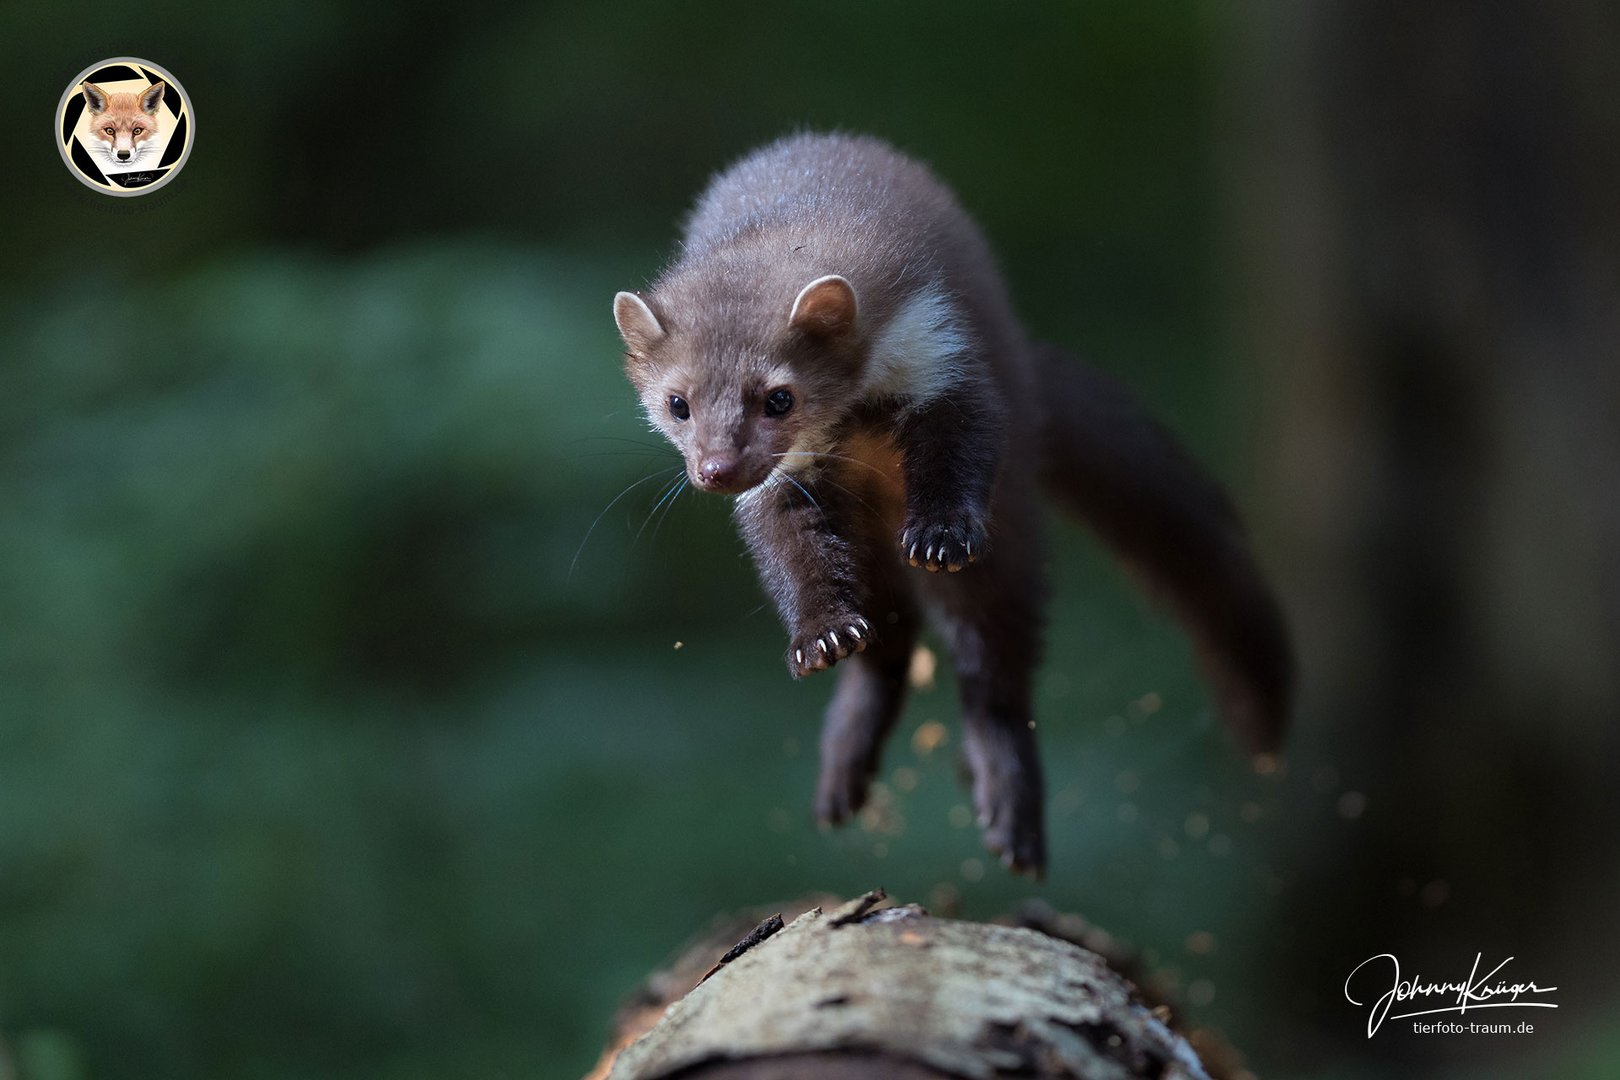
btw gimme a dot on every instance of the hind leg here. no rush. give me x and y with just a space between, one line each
992 618
863 711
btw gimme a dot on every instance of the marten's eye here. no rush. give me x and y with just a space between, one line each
136 130
779 402
678 408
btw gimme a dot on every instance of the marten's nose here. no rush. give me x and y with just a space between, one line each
719 472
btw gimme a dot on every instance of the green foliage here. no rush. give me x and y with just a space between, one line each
312 728
319 753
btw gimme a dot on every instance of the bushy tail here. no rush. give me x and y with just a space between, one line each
1127 477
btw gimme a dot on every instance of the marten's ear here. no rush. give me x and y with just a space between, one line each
151 96
638 325
95 97
825 307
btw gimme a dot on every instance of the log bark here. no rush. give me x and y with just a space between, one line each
863 990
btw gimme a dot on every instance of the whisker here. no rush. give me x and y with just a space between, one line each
807 494
620 453
650 444
666 493
645 479
628 447
851 494
685 482
830 480
835 457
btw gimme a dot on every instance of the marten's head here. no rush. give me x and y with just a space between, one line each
741 385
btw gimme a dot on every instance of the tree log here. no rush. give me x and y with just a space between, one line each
861 990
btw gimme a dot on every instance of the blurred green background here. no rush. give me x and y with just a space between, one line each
335 740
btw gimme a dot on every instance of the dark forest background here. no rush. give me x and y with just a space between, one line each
331 746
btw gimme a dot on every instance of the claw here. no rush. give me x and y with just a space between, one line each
854 631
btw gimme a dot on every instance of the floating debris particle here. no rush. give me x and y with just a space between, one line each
929 736
923 666
1268 764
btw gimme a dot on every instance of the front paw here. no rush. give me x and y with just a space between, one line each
820 649
947 544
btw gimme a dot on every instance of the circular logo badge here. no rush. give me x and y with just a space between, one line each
125 126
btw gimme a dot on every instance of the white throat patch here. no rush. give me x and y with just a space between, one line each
920 353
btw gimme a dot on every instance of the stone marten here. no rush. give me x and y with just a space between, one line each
834 346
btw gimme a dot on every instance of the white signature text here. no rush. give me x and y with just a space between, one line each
1475 992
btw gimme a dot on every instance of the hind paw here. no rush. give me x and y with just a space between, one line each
841 792
1007 794
1014 833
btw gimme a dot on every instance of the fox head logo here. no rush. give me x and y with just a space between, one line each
123 126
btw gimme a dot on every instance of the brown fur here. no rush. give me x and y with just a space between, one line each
122 121
834 273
